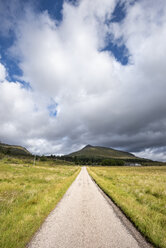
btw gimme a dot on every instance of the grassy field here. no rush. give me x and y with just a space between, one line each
27 194
141 193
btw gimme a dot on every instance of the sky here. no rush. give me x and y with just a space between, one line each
83 72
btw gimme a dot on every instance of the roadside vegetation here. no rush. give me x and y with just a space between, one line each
27 195
141 194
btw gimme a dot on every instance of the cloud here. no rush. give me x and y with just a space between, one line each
22 113
2 72
96 99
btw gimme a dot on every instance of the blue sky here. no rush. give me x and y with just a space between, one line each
83 72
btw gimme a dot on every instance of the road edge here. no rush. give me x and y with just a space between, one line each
28 245
131 228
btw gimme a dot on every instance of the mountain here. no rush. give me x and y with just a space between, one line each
13 150
102 152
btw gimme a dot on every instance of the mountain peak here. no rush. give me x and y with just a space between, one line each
87 146
102 152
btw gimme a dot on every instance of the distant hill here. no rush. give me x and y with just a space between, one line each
101 152
13 150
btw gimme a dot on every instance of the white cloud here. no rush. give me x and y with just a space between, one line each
2 73
24 114
99 101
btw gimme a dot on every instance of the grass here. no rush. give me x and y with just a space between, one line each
27 195
141 194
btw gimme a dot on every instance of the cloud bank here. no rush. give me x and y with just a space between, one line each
79 93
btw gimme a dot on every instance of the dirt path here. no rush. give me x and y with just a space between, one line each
84 219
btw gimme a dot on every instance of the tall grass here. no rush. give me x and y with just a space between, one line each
27 194
141 193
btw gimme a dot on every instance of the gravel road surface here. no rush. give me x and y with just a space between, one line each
85 219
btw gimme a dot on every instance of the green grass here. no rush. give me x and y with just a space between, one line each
27 195
141 194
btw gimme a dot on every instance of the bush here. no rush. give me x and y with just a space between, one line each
43 158
112 162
